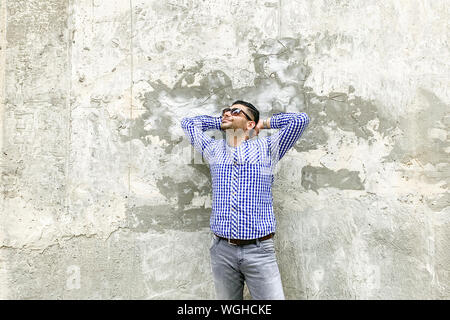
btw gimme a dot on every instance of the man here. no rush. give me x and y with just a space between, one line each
242 219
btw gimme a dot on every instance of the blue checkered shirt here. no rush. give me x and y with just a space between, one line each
242 177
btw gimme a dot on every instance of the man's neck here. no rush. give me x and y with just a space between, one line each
235 137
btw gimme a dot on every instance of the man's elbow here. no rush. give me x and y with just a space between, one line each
186 122
302 119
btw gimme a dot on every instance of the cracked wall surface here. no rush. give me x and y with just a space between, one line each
101 190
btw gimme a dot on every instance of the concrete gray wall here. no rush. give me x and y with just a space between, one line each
103 197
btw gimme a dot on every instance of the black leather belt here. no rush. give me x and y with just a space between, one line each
239 242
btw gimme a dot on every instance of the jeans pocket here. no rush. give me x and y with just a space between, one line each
267 245
214 242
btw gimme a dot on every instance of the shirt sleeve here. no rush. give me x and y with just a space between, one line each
194 129
292 126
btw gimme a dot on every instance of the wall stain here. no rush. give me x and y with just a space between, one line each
314 178
161 218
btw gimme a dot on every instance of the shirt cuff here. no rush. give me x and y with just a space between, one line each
278 120
218 122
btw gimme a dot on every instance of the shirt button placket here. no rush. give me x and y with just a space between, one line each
235 185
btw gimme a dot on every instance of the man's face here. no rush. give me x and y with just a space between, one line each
238 121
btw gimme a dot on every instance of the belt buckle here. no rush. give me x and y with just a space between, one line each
229 242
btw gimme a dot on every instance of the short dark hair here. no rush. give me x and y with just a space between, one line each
251 108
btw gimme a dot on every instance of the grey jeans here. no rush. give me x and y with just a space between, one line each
256 264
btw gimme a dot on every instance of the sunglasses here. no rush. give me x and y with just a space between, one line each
235 112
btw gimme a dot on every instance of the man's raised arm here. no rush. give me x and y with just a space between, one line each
194 128
291 127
